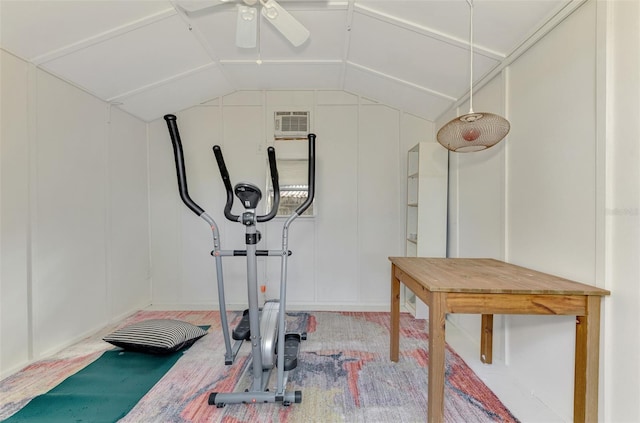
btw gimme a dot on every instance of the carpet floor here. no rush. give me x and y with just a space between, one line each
344 373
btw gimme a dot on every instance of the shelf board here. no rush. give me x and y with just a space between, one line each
412 205
413 175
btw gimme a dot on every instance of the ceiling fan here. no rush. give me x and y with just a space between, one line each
247 19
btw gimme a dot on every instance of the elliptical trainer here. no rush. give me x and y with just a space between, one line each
264 328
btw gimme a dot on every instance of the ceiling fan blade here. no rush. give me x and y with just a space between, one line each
284 22
246 27
197 5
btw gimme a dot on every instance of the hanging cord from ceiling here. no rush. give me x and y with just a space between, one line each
472 131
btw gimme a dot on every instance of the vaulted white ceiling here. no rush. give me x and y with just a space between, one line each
151 57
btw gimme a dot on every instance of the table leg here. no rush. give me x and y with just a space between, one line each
435 401
395 314
486 339
585 395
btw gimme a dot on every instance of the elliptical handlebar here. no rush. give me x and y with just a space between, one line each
273 169
311 178
224 173
179 159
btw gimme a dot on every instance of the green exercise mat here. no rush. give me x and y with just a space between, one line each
104 391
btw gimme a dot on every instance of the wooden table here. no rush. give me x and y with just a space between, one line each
488 287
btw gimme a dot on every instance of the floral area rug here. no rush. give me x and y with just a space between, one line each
344 373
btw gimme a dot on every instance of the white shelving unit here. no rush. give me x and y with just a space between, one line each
426 231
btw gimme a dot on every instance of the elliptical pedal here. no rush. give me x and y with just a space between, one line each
291 348
242 332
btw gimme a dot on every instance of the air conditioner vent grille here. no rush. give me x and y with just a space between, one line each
294 123
291 125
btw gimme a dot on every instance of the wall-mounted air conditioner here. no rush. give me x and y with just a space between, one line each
291 125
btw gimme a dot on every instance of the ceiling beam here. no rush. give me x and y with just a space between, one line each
347 42
96 39
401 81
428 32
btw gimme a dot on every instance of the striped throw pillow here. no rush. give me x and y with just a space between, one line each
156 336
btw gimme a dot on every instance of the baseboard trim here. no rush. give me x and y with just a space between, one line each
291 307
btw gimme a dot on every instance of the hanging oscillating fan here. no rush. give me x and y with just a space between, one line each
473 131
247 19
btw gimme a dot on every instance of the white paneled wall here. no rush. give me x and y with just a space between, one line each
565 182
335 266
15 317
74 214
532 199
621 331
128 215
339 256
551 192
378 224
69 213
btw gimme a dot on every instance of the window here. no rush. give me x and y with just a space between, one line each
294 188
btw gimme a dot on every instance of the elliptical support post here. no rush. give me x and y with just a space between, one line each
254 313
311 182
199 211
